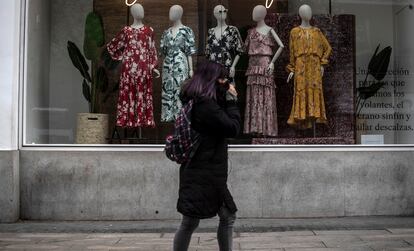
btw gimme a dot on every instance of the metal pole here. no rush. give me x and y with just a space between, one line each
330 7
127 15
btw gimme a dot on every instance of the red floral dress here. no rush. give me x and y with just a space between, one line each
136 48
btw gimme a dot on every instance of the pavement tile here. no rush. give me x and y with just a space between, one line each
201 235
277 244
322 238
410 241
287 233
144 246
330 249
31 247
376 245
351 232
124 235
401 249
387 237
48 235
15 239
401 230
255 239
386 245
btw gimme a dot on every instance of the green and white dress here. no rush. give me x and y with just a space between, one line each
175 69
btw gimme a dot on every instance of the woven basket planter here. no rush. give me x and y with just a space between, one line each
92 128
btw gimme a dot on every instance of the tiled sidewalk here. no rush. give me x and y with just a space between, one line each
333 240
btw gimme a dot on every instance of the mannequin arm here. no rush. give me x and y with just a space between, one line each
278 52
281 46
233 66
190 66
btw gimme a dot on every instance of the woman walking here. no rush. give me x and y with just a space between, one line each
203 191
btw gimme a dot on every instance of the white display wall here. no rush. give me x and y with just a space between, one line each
9 74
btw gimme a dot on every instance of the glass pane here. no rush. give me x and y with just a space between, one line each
333 96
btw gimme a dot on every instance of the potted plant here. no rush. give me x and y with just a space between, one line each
92 127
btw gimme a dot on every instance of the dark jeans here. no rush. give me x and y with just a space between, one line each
224 232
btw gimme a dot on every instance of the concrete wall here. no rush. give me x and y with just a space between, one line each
143 185
9 186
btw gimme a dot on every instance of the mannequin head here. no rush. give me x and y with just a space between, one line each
176 13
137 11
259 13
220 13
305 12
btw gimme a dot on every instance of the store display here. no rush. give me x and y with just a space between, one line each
135 46
261 113
309 52
338 85
177 47
224 43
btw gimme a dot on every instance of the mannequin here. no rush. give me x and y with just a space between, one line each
309 53
305 13
135 46
224 43
261 111
176 14
259 15
177 47
138 13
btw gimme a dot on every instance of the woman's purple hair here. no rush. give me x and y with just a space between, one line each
203 83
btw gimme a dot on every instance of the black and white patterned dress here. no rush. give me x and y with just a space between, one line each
225 49
176 51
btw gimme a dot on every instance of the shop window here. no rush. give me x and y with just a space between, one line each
343 78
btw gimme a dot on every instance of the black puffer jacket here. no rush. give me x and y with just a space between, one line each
203 183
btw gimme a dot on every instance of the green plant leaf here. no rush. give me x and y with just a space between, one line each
379 63
86 90
370 91
102 80
94 36
78 60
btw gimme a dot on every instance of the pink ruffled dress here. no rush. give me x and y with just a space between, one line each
261 113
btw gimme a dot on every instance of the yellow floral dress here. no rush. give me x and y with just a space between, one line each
309 50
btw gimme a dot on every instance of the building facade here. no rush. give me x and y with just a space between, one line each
61 162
